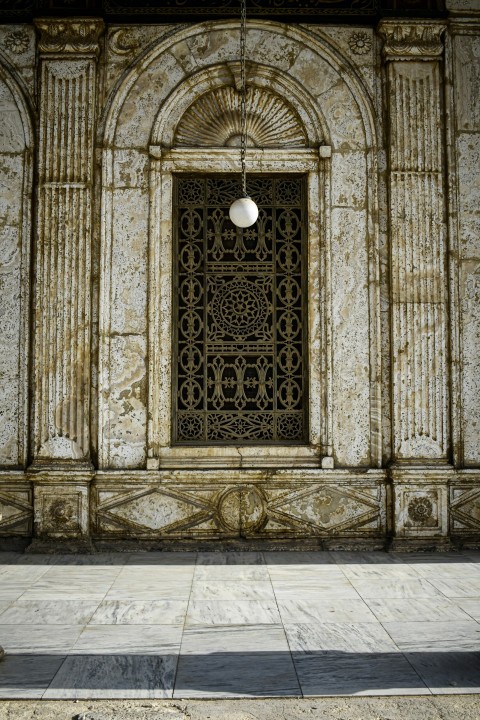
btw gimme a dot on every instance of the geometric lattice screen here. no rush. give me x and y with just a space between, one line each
240 313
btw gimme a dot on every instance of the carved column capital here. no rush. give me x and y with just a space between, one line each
412 39
72 36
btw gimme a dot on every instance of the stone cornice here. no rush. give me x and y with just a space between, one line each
412 39
71 36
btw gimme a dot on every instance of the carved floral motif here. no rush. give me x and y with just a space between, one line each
360 43
420 509
17 42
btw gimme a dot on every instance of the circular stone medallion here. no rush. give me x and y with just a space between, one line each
241 509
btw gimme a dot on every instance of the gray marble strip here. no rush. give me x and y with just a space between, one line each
114 676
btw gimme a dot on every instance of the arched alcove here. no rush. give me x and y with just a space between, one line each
149 133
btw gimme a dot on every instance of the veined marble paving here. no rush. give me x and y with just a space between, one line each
239 625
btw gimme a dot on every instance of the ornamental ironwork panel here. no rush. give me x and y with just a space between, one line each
240 313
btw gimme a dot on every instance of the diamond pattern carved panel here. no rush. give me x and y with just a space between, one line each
243 509
16 509
240 315
465 509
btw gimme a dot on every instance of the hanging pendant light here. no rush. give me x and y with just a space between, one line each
243 212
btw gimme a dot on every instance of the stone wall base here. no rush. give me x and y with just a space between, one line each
403 508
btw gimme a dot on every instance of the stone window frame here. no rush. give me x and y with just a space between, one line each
164 163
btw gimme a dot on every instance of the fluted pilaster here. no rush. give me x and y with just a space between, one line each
68 53
413 53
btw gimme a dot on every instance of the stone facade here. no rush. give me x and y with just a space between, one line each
385 124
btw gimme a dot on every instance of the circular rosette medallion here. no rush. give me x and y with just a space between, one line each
240 308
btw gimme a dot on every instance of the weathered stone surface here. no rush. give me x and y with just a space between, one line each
381 285
13 257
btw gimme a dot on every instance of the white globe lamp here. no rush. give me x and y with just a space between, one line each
243 212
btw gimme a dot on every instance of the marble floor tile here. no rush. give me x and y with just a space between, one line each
114 676
236 674
9 558
230 558
231 590
237 661
339 637
232 573
11 591
448 570
40 639
380 571
207 639
232 612
140 612
53 590
40 559
103 559
162 559
81 576
305 573
332 610
24 573
144 577
130 589
448 672
457 587
423 609
27 676
433 557
342 557
313 589
315 559
461 635
471 606
129 639
48 612
351 673
395 588
4 605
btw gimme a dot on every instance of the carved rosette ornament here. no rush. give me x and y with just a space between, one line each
17 42
420 509
68 66
419 286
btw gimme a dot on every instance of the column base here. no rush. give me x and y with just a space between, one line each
420 505
61 496
419 545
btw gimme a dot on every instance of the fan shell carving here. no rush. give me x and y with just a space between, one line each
214 121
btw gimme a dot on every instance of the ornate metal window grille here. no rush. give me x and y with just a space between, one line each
240 313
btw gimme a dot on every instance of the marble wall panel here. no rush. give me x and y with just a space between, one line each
470 318
466 66
150 90
129 260
468 158
126 418
12 352
351 363
349 188
467 81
